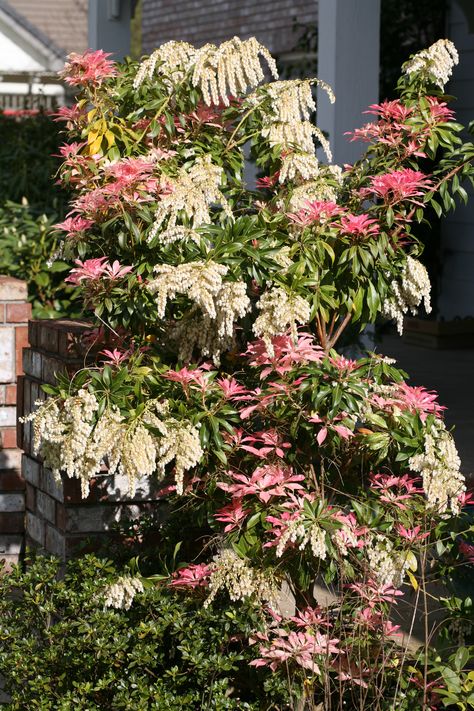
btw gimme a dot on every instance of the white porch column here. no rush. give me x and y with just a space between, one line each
109 26
348 60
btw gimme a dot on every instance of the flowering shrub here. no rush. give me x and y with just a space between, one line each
286 464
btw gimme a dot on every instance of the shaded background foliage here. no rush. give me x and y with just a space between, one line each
31 201
29 145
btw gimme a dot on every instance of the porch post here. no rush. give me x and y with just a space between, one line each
109 26
348 60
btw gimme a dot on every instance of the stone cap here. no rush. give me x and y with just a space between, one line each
12 289
59 336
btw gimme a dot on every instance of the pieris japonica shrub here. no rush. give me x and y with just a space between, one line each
288 467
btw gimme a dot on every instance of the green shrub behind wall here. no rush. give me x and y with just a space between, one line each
28 164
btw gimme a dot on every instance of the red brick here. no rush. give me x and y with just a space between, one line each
11 480
8 437
18 313
20 386
30 497
21 341
10 395
12 522
51 367
33 331
48 337
61 517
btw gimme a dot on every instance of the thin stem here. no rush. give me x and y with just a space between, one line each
231 143
426 632
321 331
332 324
342 326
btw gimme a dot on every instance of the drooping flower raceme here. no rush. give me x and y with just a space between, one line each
279 310
201 333
439 466
435 63
199 281
172 60
387 566
71 437
191 193
407 295
180 442
230 69
232 574
121 594
219 304
219 72
287 126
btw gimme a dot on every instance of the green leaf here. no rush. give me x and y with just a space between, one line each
461 658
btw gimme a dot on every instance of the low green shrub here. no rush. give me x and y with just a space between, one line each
61 649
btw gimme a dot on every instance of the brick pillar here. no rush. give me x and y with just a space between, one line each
14 314
58 520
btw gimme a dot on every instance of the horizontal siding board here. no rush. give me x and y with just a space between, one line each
216 21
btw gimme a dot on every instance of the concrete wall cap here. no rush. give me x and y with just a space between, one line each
12 289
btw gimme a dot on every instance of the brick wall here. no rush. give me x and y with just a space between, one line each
14 315
271 21
58 520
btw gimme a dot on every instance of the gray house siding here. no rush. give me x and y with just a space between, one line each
198 22
457 280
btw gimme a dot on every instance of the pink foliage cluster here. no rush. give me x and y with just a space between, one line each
96 269
91 67
399 128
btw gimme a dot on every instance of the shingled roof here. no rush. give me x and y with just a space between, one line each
59 24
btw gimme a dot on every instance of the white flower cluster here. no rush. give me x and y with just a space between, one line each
282 257
439 466
435 63
280 311
386 566
414 288
344 538
180 441
293 531
192 193
73 440
179 233
121 594
136 454
317 541
323 186
199 281
314 535
172 60
230 69
227 70
295 164
211 337
220 304
287 125
231 573
61 436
